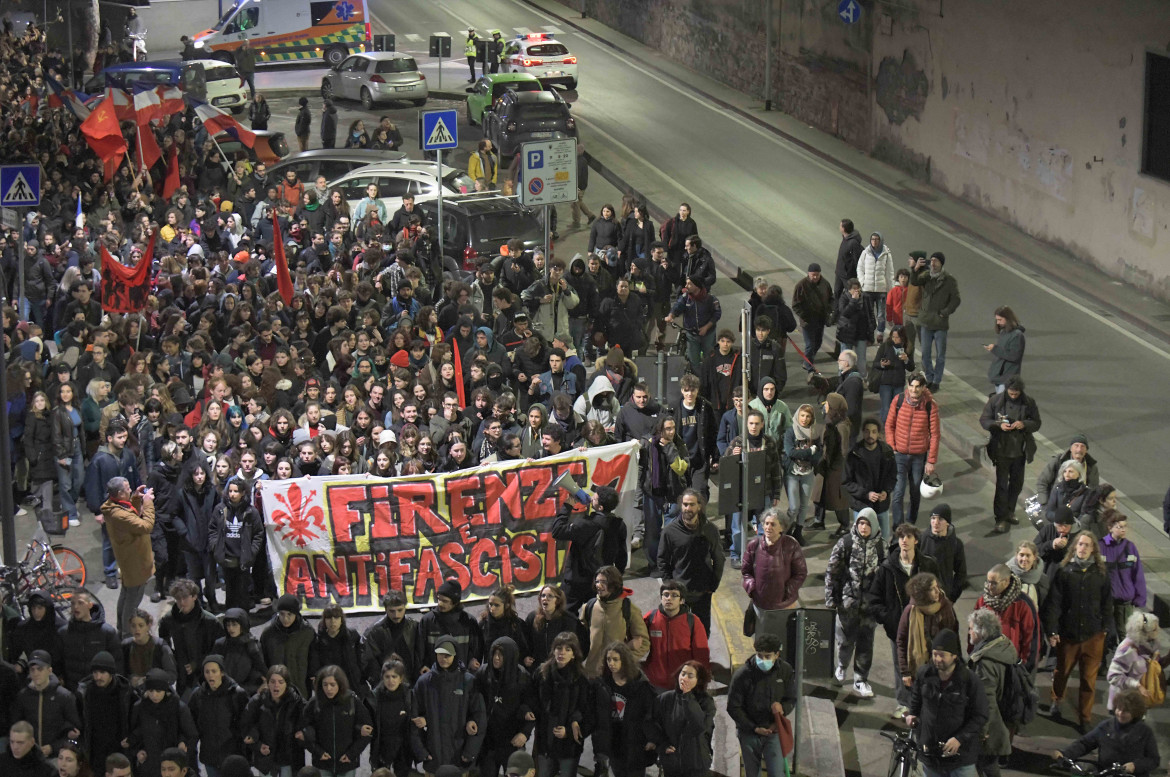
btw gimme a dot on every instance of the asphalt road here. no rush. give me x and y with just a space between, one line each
772 207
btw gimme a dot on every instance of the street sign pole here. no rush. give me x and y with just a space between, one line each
439 179
7 508
20 301
547 241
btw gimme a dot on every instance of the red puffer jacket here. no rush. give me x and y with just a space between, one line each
914 428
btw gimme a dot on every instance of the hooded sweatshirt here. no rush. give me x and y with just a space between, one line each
241 655
606 621
599 403
507 694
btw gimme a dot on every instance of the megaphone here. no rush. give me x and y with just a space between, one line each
565 481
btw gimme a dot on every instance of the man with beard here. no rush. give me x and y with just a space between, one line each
950 707
1012 418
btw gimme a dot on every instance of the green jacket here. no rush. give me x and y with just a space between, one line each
940 298
776 421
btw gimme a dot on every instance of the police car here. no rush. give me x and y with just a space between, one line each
539 54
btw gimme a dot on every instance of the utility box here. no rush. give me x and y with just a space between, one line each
384 42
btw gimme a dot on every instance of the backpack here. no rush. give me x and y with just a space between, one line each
587 618
1018 699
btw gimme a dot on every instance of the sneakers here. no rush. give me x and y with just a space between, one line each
899 712
839 675
636 542
862 689
736 564
74 522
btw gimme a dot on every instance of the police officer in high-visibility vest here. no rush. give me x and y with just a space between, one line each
469 49
495 50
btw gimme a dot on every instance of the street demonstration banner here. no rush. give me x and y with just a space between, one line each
351 539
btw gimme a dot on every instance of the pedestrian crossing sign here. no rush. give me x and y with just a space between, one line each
20 186
438 130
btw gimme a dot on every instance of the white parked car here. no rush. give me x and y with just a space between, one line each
376 77
226 90
397 179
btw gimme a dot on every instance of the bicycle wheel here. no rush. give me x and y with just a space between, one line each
62 597
72 567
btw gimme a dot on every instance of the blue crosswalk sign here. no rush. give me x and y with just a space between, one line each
849 11
438 130
20 186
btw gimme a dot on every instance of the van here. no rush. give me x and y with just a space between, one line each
290 30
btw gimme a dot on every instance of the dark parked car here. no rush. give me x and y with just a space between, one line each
476 225
520 117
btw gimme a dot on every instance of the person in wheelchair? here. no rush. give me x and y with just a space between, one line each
1124 739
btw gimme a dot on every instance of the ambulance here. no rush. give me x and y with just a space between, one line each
290 30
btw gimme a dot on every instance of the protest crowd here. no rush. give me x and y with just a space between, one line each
189 330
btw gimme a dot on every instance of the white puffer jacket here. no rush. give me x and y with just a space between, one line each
876 273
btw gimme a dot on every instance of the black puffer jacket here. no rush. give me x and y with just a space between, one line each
105 717
448 699
192 636
855 319
196 507
241 655
155 727
563 697
333 727
887 597
219 717
82 641
274 723
38 447
684 721
957 710
52 711
391 745
344 650
45 634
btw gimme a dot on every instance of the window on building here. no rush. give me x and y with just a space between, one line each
1156 136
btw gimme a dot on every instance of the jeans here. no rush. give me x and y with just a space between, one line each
737 535
128 600
938 339
877 302
858 348
699 346
883 524
33 310
547 766
109 563
653 510
901 692
813 333
577 329
69 481
1009 482
799 489
855 642
764 750
958 771
887 394
201 569
911 466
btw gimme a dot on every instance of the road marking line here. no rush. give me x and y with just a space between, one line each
521 30
552 30
879 196
466 24
413 37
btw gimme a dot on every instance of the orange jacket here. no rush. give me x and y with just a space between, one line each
914 429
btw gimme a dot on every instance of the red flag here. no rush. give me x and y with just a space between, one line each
103 132
110 166
148 150
125 289
283 280
171 184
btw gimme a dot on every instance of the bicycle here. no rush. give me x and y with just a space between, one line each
56 569
904 757
1084 768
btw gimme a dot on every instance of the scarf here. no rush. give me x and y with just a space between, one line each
804 433
1081 564
1009 595
918 650
657 465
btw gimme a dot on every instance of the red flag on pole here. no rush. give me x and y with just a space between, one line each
284 282
171 184
458 374
148 150
103 133
125 289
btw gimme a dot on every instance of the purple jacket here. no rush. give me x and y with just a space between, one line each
1126 575
1127 668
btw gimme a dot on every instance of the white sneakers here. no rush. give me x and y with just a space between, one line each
74 522
862 689
839 675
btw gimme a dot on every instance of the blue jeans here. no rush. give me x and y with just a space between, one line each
69 482
547 766
883 524
937 338
958 771
766 750
33 310
911 466
108 561
813 335
887 393
799 489
700 346
653 511
876 300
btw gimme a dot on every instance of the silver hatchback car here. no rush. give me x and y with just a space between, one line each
374 77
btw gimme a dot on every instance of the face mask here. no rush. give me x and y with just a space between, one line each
765 665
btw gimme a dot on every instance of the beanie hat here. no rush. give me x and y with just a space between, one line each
520 763
235 766
1064 516
214 658
939 255
452 590
942 510
103 661
615 358
157 680
814 267
1081 438
288 603
947 640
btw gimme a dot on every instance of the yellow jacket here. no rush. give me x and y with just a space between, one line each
476 166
